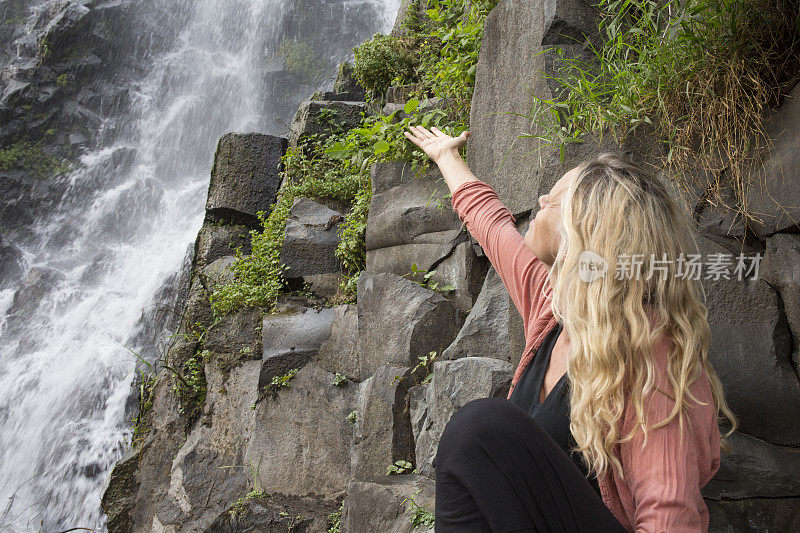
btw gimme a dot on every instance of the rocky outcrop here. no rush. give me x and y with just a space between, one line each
411 223
310 405
310 240
454 384
485 332
245 178
418 322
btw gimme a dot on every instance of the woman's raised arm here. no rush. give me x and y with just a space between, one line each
488 221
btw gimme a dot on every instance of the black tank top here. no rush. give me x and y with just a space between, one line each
552 414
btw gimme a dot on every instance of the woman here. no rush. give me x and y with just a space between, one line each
613 426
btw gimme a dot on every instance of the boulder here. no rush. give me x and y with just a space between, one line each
215 241
210 470
453 263
777 204
496 153
119 497
166 432
381 503
755 469
309 118
339 352
500 90
311 239
291 338
245 178
780 268
454 384
235 332
486 330
430 236
417 206
382 433
302 436
399 321
751 348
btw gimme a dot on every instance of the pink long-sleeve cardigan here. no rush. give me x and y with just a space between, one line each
661 486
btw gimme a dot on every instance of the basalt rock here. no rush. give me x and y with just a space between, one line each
454 384
245 178
400 321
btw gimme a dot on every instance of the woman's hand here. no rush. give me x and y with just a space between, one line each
435 143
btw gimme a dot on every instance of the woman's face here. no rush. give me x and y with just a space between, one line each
542 237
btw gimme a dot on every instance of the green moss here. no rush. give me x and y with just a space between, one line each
301 59
29 155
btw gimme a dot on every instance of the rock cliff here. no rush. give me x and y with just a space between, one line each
304 409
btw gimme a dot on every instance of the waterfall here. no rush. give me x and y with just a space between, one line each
104 266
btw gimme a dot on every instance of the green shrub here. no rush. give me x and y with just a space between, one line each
421 515
380 60
449 61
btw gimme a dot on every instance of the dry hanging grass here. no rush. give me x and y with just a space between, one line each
705 73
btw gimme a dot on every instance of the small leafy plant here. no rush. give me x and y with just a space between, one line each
283 381
335 520
351 417
399 467
339 380
238 508
425 281
420 516
423 368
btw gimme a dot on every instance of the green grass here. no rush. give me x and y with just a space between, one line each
702 73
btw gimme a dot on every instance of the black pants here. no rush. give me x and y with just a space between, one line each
498 470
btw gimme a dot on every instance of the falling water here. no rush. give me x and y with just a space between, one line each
110 256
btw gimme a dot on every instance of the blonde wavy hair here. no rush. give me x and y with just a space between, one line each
616 209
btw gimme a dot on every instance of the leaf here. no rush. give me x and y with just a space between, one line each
337 151
381 147
411 106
